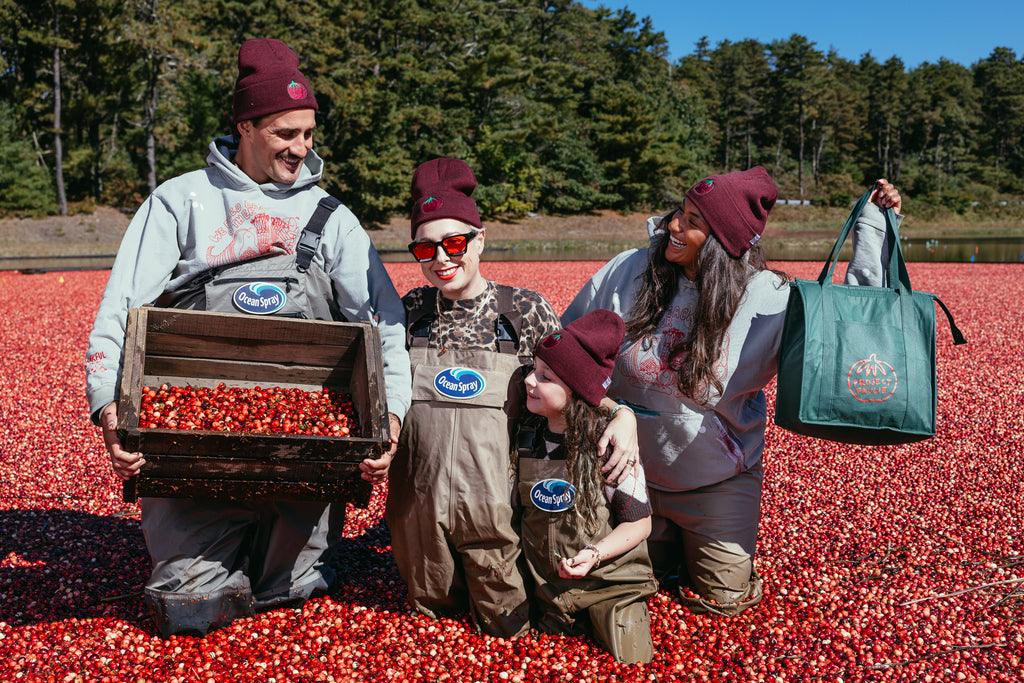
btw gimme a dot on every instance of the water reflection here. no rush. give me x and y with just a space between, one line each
937 249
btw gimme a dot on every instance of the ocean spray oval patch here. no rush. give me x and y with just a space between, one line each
553 495
259 298
459 383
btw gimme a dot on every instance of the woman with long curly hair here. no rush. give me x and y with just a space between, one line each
583 539
704 316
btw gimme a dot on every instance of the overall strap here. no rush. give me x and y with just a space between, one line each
526 435
509 325
418 320
309 240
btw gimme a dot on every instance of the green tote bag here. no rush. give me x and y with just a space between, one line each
857 363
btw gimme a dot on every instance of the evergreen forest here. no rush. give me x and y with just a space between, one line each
560 108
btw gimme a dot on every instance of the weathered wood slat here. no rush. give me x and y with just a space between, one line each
310 471
269 329
253 350
208 372
132 371
355 491
246 446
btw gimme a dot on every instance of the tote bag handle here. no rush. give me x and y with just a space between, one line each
897 266
898 274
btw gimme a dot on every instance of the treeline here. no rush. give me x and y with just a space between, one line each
559 108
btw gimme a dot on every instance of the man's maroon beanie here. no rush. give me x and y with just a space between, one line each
269 81
583 354
443 188
736 206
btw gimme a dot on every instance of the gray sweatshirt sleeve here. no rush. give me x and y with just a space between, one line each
145 261
612 287
870 261
364 292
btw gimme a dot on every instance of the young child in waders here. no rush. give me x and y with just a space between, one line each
584 540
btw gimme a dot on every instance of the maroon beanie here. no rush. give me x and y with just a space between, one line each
736 206
443 188
583 354
269 81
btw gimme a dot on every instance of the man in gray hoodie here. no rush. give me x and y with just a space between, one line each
216 562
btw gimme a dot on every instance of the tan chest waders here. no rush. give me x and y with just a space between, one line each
611 598
450 488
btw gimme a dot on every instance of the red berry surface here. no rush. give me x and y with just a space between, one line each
900 563
257 410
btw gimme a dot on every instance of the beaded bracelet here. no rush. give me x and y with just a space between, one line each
619 407
597 553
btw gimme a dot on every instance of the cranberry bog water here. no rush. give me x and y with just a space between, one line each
898 563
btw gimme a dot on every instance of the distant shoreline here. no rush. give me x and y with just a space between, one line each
806 232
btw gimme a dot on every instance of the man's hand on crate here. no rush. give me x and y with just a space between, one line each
375 471
126 465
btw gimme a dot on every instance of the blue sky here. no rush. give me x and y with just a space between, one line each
917 31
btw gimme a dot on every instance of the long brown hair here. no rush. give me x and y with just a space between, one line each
584 425
721 283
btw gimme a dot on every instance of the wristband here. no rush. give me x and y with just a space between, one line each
597 553
619 407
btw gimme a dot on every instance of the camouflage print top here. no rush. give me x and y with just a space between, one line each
470 323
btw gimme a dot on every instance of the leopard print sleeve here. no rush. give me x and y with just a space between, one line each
414 298
539 320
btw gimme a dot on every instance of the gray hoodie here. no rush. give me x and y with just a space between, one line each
219 215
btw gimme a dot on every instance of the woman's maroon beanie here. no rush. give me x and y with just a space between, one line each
269 81
583 354
443 188
736 206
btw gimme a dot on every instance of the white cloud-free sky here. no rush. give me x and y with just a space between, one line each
917 31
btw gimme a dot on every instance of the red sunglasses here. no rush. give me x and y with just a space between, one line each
456 245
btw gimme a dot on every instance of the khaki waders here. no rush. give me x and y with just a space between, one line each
612 597
450 491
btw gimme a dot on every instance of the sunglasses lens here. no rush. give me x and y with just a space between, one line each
423 251
455 245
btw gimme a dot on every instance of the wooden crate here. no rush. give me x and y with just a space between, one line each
203 349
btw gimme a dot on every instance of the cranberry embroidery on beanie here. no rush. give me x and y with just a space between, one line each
552 339
704 186
296 91
443 188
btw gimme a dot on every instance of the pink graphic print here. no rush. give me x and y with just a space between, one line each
652 366
94 363
870 380
249 232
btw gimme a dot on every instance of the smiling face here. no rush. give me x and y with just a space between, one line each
456 277
687 231
272 148
547 395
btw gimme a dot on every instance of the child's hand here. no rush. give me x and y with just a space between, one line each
579 566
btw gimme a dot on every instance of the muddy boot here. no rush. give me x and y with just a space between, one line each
198 613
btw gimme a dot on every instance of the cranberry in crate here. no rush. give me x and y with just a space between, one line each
238 407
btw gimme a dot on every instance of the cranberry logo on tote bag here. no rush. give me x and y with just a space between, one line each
872 379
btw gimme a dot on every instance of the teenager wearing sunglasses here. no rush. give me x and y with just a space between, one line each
449 506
